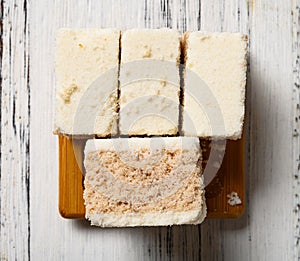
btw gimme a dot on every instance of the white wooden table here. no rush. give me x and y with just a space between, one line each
31 227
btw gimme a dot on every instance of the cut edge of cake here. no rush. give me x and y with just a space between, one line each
142 127
180 202
86 40
169 218
230 133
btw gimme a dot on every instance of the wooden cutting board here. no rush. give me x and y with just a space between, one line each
230 178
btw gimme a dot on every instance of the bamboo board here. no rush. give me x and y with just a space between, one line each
229 178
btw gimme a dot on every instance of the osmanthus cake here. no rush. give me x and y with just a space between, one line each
149 81
129 83
86 67
143 182
214 84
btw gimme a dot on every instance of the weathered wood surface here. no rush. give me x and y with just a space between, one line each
30 226
15 122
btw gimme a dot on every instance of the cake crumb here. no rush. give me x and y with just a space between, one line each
147 54
233 199
163 83
191 65
66 95
56 131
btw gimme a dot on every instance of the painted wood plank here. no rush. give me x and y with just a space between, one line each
223 240
76 240
15 112
296 126
271 155
257 236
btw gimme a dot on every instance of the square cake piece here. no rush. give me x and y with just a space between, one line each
143 182
86 65
214 84
149 82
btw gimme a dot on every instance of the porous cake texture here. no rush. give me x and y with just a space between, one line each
149 81
87 81
214 84
143 182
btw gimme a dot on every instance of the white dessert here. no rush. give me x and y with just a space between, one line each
143 182
87 81
149 82
214 89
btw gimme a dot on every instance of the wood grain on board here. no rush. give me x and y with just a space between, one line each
230 178
71 178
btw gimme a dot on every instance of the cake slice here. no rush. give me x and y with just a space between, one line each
214 84
87 63
149 82
143 182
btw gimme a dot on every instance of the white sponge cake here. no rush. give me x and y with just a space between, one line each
149 82
214 90
87 81
143 182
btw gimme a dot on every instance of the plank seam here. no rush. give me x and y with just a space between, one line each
296 126
1 60
27 142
